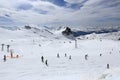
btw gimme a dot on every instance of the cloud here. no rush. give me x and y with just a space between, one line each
74 1
24 6
62 12
57 2
98 12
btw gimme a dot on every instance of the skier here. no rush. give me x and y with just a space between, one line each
8 46
17 56
46 62
11 54
58 56
108 66
86 56
4 58
65 55
70 57
42 59
3 47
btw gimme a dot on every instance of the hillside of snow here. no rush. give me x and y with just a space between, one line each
31 44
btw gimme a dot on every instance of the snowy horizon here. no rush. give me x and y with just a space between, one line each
73 13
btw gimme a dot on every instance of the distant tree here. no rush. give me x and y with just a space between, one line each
100 54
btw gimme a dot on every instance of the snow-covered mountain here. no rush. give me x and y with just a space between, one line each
56 33
28 45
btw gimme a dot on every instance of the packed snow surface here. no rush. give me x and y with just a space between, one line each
30 45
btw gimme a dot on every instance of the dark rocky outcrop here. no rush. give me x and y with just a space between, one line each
27 27
67 31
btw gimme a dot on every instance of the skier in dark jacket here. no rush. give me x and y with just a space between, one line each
42 59
46 62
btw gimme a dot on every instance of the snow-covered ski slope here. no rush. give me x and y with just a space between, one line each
30 45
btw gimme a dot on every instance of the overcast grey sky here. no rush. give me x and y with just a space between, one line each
60 12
